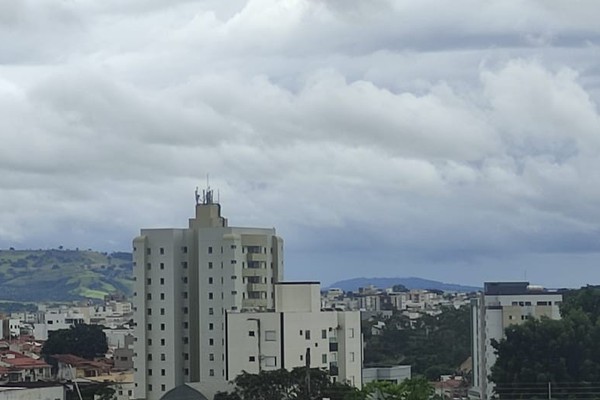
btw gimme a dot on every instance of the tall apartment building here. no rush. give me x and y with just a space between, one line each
297 333
500 305
186 280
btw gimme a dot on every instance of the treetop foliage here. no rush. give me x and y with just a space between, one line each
287 385
562 352
82 340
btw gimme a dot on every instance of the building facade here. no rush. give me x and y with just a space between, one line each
296 334
500 305
186 281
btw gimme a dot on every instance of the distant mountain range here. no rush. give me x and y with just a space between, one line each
63 275
409 283
66 275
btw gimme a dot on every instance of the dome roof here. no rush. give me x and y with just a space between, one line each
183 392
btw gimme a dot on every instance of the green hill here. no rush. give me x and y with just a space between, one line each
63 275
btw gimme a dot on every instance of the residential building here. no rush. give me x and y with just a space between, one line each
297 333
394 374
500 305
186 280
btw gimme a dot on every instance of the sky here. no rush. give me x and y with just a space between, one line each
456 141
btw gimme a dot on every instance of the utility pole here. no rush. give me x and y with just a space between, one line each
307 358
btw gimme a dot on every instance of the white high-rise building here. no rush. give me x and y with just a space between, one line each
186 280
500 305
295 334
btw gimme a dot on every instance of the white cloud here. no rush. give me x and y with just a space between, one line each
422 134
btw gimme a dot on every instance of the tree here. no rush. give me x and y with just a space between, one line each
432 345
87 341
281 384
409 389
563 353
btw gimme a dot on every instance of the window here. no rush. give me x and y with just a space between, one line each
233 277
271 361
185 325
234 292
185 295
211 357
186 356
251 333
185 310
351 332
211 311
162 250
351 356
234 261
323 333
163 357
162 265
185 279
210 250
301 332
186 340
270 336
307 334
186 371
252 359
148 251
149 266
210 280
162 327
184 249
149 311
149 281
163 387
149 371
184 264
162 311
149 357
211 372
149 327
149 342
324 358
149 296
162 342
163 372
233 247
210 295
162 281
211 342
210 265
211 326
149 385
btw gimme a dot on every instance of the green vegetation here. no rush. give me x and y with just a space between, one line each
286 385
543 354
62 275
432 345
86 341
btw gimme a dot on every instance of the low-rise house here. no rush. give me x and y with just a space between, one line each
17 367
69 367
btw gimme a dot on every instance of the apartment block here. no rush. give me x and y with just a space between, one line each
295 334
187 279
500 305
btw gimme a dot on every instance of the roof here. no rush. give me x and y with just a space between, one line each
79 362
183 392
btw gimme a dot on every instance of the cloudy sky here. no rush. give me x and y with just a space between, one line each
458 141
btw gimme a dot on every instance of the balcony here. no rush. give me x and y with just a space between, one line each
257 257
247 272
254 303
257 287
